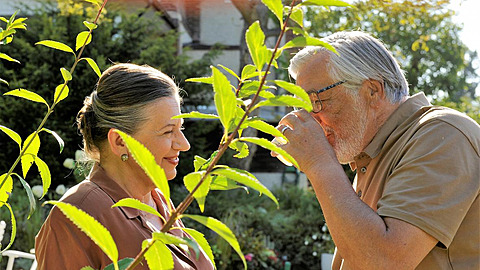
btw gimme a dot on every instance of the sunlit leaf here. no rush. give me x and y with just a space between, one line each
8 58
241 148
222 230
307 41
249 71
220 182
122 264
202 242
336 3
31 198
6 189
297 15
276 7
12 134
59 139
55 45
270 146
90 268
230 71
224 98
44 174
91 227
24 93
93 65
196 114
168 238
98 3
66 74
136 204
84 37
3 81
191 180
198 162
244 178
207 80
89 25
30 153
61 92
296 90
255 39
264 127
14 227
146 160
284 100
158 256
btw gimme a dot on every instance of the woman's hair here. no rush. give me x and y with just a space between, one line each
360 57
118 101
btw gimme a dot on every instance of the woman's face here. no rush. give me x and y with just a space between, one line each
162 135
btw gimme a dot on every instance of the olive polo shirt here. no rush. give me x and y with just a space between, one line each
423 167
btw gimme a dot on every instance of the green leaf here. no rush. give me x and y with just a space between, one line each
225 100
336 3
255 39
230 71
136 204
191 180
90 268
298 31
92 228
284 100
222 230
198 162
8 58
241 148
270 146
44 174
12 134
31 198
93 65
196 114
207 80
146 160
202 242
249 71
245 178
167 238
297 15
84 37
3 19
6 189
158 256
59 139
24 93
220 182
14 228
30 153
61 92
3 81
66 74
55 45
276 7
89 25
307 41
122 264
264 127
296 90
98 3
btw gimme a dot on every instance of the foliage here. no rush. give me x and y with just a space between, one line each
470 107
122 37
421 35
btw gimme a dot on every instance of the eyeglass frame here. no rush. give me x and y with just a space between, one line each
316 92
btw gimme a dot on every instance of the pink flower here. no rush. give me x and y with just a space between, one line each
249 257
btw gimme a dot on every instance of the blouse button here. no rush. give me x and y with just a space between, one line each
363 169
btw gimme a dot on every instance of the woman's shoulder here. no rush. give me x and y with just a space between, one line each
88 197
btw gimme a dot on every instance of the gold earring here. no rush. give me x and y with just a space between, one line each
124 157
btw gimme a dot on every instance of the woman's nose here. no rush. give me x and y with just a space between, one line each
181 142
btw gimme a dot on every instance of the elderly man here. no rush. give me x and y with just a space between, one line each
415 198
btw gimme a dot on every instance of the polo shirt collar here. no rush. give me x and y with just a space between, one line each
99 176
399 116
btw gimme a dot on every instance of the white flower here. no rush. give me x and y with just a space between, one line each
314 237
37 191
60 190
314 253
306 243
324 228
80 155
69 163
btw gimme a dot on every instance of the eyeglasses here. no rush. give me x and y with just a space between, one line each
315 99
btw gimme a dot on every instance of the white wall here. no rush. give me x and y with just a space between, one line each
220 23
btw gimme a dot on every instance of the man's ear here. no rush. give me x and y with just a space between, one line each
376 91
116 143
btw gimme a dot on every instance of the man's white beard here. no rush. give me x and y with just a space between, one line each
350 143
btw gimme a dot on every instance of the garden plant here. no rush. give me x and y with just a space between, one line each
234 104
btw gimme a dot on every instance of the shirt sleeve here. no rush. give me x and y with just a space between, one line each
435 181
61 245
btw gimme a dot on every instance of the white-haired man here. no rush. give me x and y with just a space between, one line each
415 198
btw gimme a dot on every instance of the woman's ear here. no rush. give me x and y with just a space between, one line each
116 143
